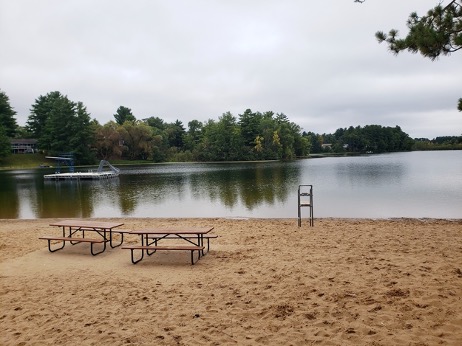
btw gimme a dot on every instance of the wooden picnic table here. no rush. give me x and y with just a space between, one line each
194 238
72 227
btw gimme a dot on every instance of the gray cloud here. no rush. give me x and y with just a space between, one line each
317 62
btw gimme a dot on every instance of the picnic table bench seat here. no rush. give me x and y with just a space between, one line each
73 241
152 248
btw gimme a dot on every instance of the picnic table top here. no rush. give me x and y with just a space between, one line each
176 230
87 223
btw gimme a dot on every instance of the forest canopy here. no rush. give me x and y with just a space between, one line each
61 125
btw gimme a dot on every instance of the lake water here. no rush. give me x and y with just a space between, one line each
413 184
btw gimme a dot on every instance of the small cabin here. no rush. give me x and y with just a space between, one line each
23 146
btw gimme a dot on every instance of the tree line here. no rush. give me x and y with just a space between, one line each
377 139
439 143
370 138
63 126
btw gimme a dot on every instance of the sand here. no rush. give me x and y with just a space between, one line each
268 282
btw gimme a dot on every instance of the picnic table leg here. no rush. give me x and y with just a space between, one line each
208 246
110 237
133 258
97 253
201 243
198 256
49 246
64 235
71 233
148 244
192 256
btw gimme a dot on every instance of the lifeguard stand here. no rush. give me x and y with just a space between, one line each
305 200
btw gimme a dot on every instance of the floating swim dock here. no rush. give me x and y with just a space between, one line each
81 176
90 175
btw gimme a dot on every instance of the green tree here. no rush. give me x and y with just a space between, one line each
155 122
270 148
83 138
61 125
175 133
302 145
7 116
160 146
108 143
23 132
288 132
314 140
230 137
55 137
277 146
221 141
437 33
193 136
353 139
40 113
137 138
373 138
250 126
123 114
5 144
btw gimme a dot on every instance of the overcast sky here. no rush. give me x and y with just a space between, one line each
317 62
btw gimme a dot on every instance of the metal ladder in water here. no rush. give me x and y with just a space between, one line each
305 200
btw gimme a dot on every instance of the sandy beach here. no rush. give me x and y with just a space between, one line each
264 281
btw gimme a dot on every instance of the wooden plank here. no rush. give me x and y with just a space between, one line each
174 236
82 240
145 247
87 223
198 230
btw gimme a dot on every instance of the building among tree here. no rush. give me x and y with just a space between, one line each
23 146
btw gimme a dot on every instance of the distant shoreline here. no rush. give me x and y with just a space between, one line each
35 161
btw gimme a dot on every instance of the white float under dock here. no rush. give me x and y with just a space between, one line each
81 176
90 175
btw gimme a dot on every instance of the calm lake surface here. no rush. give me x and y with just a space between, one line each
413 184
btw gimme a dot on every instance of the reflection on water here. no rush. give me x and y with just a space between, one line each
229 185
9 197
422 184
250 186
